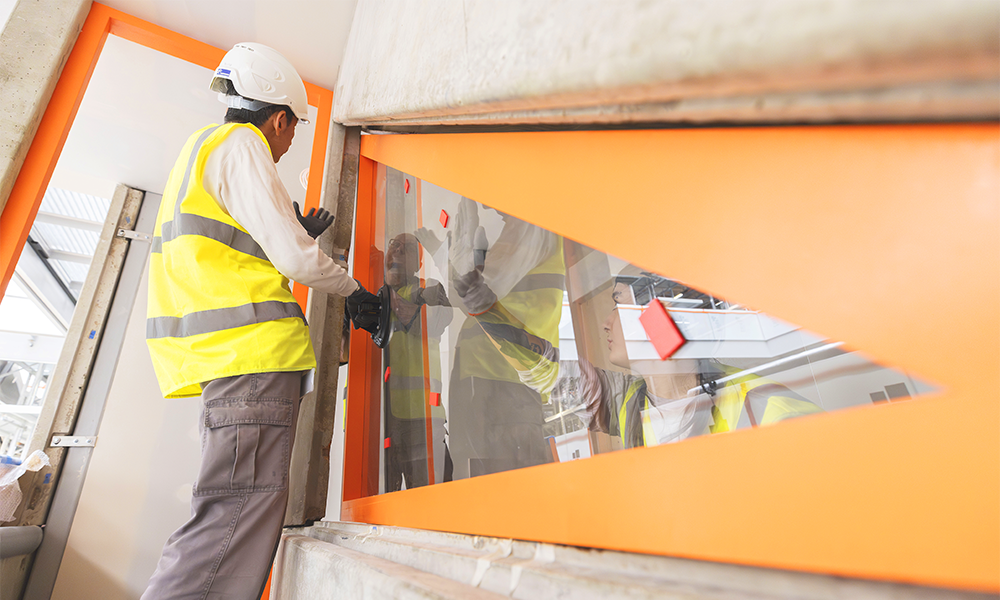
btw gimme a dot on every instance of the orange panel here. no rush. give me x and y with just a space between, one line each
884 237
316 164
365 365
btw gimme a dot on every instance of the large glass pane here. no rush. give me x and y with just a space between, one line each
512 347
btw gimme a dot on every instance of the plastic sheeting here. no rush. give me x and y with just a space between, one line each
10 491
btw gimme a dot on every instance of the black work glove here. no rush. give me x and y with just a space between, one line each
365 309
316 222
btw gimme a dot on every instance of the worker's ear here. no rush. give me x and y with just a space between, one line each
279 121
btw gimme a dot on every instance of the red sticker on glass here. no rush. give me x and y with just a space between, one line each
661 330
435 399
406 186
444 219
387 369
388 442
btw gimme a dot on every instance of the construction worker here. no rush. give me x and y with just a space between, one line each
507 353
420 315
222 323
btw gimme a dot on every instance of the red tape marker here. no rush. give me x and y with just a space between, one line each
661 330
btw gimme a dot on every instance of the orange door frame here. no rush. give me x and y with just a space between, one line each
835 228
39 163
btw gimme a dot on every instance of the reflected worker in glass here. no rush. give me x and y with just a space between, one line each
420 315
507 355
668 401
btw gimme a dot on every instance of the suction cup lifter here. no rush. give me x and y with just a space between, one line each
371 312
381 337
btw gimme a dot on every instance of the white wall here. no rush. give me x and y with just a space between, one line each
137 490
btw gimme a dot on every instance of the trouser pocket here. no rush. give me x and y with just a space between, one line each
247 442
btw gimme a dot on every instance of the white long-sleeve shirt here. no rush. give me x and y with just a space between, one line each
241 175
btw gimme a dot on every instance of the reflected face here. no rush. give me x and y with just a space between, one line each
402 259
617 353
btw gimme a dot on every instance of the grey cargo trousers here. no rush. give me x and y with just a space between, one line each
238 505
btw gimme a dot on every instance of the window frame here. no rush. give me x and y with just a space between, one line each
902 491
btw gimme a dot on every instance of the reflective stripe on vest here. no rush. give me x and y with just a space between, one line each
217 306
224 233
219 319
633 395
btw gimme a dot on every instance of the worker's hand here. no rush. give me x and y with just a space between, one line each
434 295
316 222
464 236
365 309
472 289
427 239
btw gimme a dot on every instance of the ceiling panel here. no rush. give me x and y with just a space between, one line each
311 34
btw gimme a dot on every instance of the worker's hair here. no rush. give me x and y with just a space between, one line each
257 118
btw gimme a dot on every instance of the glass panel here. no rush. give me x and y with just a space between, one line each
512 347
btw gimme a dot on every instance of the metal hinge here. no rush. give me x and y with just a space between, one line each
137 236
73 441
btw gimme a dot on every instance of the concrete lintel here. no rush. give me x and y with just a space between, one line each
309 568
34 47
572 61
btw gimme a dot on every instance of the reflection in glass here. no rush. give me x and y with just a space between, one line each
512 347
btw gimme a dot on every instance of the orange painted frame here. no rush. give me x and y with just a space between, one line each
33 178
837 229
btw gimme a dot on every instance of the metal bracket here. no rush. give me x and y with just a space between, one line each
136 236
73 441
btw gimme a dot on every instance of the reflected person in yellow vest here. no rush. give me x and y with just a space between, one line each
507 353
420 315
652 404
222 323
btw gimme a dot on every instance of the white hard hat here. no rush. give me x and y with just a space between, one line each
260 73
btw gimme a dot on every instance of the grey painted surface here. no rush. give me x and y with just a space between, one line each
34 46
18 541
522 61
76 461
328 560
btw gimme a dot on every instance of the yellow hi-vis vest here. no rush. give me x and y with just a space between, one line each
636 393
752 400
407 387
217 306
536 301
